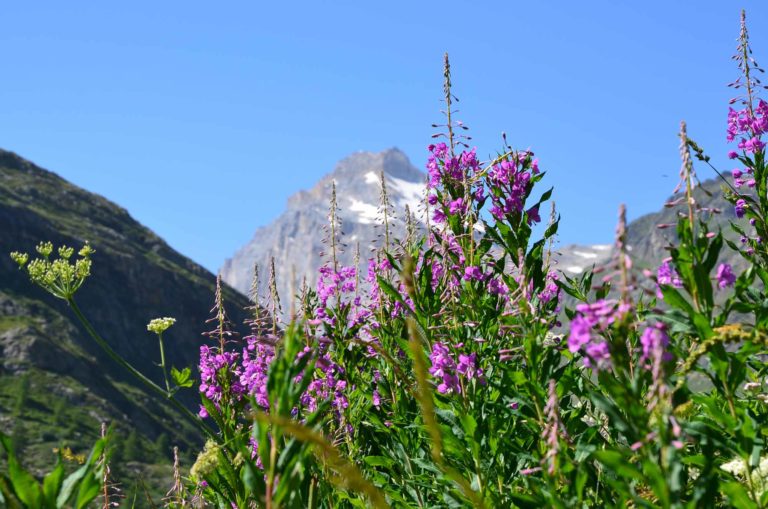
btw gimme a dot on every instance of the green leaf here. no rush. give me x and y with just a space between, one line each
676 300
737 495
389 289
378 461
616 461
90 487
52 484
24 484
713 253
74 479
182 378
69 485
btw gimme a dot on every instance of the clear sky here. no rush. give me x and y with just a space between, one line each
201 118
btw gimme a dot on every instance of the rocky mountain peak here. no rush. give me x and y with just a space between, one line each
295 238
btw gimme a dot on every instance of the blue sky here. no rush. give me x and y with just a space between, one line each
202 118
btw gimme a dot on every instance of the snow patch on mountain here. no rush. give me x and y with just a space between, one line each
410 194
371 178
366 213
585 255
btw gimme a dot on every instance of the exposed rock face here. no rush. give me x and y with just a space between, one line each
295 239
136 276
648 243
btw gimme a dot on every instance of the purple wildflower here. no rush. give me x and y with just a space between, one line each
533 215
256 360
219 375
497 287
667 275
444 369
589 322
598 355
654 342
467 367
581 333
725 275
741 204
473 272
457 206
551 290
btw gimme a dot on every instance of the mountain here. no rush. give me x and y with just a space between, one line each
56 385
295 238
647 242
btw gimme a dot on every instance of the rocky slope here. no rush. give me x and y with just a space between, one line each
295 239
648 242
56 386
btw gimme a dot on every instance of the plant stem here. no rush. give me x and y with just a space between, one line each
136 373
162 364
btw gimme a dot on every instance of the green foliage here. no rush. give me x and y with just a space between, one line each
20 489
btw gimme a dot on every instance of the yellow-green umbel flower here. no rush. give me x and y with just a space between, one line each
61 277
160 325
207 461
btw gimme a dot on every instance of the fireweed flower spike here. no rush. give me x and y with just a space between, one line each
553 430
667 275
445 369
590 321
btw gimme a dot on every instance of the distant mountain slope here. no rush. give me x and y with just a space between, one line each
55 384
647 242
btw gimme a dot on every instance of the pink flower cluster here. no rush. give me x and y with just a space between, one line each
725 276
329 386
332 283
445 369
253 377
443 168
510 183
667 275
551 291
654 342
219 375
740 178
587 327
749 126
